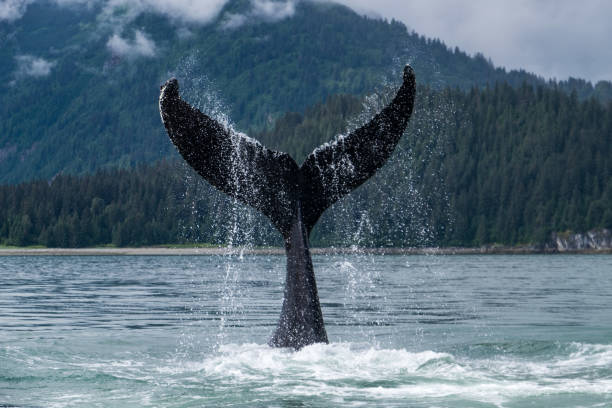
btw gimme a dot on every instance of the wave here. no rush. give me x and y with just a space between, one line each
349 370
338 374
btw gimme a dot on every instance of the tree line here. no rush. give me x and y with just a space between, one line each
503 164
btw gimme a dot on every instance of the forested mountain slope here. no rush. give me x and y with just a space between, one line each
496 165
80 84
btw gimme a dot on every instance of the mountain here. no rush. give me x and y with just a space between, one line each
80 83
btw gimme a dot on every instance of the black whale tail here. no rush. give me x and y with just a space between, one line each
271 181
232 162
293 197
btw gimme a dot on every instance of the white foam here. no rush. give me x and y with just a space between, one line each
344 370
349 374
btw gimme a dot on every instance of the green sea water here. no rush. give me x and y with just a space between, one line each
405 331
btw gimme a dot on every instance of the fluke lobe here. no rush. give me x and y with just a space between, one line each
293 197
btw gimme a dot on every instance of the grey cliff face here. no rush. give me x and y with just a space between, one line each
293 197
596 240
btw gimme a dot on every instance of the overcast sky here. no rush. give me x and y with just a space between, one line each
552 38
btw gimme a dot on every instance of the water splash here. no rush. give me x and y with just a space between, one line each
233 225
405 203
393 208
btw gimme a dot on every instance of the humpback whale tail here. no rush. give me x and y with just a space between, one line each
293 197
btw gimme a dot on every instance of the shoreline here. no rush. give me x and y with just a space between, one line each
218 251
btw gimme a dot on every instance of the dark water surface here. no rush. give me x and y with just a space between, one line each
405 331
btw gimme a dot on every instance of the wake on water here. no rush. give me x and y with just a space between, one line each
356 372
338 374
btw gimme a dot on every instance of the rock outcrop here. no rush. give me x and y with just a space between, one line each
596 240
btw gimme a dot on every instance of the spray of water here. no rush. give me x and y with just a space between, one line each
405 204
393 209
233 225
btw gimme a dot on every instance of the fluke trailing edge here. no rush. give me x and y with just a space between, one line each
293 197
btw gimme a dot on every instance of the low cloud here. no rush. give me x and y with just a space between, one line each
140 46
31 66
118 12
190 11
553 38
184 32
232 21
11 10
261 10
273 10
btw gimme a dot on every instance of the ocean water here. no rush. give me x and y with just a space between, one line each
405 331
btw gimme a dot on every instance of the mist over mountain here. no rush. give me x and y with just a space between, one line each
80 80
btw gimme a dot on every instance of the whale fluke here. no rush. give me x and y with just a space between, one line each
232 162
293 197
335 169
